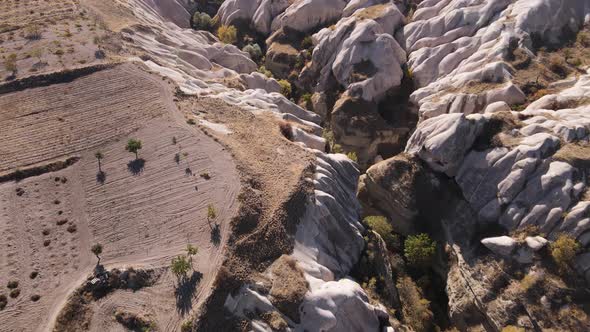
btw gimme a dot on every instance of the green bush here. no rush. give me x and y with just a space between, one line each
352 156
306 42
564 250
227 34
306 97
285 88
419 250
265 71
381 226
202 21
254 51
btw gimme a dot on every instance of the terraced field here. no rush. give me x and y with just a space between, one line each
143 211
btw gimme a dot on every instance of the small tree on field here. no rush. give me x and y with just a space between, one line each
211 214
133 146
10 64
97 250
191 251
227 34
419 250
99 156
37 53
180 266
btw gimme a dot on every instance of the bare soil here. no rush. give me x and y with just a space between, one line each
143 212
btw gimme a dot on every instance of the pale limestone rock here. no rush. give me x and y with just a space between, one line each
501 245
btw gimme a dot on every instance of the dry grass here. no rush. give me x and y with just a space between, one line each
288 286
372 12
576 154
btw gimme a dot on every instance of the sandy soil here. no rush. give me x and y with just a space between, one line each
48 36
142 217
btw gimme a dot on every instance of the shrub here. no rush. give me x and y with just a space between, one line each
307 42
12 284
528 281
10 63
202 21
265 71
180 266
211 212
352 156
306 97
583 38
512 328
564 250
191 122
227 34
557 65
15 293
187 326
382 227
32 32
286 129
415 309
285 88
254 51
419 250
35 297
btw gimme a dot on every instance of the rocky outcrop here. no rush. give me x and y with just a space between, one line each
328 243
518 173
457 49
358 127
359 53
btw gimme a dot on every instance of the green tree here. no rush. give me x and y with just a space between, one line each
10 64
191 251
211 214
97 250
382 227
133 146
99 156
227 34
563 251
180 266
419 250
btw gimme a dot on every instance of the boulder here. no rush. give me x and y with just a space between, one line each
501 245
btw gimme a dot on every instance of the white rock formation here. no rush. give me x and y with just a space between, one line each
454 43
328 238
501 245
530 173
328 242
360 53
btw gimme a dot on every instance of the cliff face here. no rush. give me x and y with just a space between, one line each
497 164
504 121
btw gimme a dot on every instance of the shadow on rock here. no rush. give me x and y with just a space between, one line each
185 290
136 166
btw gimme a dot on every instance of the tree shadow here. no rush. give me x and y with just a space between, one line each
184 292
136 166
216 234
188 171
101 177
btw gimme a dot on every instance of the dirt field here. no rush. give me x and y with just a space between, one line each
142 212
47 36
